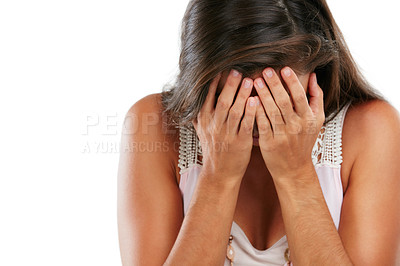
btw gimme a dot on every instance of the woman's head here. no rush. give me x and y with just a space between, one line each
250 35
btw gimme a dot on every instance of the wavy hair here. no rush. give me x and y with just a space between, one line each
250 35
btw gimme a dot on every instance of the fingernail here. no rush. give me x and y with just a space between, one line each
269 73
258 101
287 72
247 84
235 73
252 103
260 83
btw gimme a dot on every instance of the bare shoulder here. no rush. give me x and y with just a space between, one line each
376 111
149 199
373 121
368 126
370 209
145 118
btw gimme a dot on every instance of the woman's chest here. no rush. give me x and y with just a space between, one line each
258 212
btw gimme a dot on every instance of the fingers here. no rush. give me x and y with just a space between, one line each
208 105
271 109
316 95
238 108
225 99
296 91
279 93
246 126
263 124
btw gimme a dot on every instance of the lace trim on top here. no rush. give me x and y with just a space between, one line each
327 149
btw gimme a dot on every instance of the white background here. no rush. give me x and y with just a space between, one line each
69 71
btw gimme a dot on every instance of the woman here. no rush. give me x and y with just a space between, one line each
270 149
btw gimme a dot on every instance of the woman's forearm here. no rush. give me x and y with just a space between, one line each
311 232
204 234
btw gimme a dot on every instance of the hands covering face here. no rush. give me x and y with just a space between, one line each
287 122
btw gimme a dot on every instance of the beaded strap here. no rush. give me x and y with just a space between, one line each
189 148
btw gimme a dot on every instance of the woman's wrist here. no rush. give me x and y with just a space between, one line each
298 178
219 183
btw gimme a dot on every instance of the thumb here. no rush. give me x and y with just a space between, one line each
316 100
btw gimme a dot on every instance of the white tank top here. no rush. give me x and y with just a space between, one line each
327 158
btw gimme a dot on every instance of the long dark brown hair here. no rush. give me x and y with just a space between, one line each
250 35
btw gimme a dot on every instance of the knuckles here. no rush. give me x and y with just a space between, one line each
241 97
235 114
222 103
285 103
263 128
247 127
295 127
298 97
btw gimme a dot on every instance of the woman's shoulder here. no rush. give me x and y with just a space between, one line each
371 119
367 123
146 120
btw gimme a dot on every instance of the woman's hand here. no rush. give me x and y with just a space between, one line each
226 141
288 133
